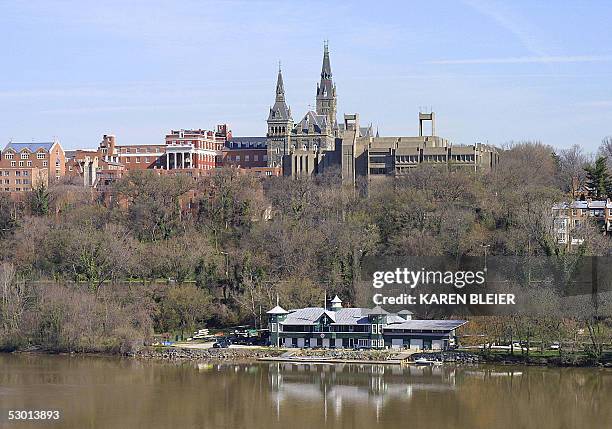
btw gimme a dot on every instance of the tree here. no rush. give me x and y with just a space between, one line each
183 306
598 181
572 173
39 200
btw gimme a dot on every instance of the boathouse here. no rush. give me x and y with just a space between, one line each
338 327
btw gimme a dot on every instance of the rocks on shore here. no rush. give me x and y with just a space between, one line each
173 353
451 356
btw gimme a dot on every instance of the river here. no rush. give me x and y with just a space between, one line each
105 392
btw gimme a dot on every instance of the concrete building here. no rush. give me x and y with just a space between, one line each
569 217
338 327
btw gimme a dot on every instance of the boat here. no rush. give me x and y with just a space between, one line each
425 362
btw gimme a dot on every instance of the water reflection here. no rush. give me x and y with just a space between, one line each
117 393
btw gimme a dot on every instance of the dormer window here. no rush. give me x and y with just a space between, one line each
25 155
8 155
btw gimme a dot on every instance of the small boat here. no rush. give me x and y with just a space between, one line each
425 362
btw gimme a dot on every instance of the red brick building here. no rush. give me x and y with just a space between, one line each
195 149
48 156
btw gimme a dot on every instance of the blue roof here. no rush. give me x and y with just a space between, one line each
31 146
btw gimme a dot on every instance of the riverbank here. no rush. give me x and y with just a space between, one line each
456 357
364 356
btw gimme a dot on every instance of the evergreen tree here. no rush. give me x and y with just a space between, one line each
39 200
598 183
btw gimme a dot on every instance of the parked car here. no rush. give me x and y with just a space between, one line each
222 343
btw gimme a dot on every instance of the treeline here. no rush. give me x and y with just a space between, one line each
83 270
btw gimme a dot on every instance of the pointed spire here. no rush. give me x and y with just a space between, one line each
280 87
326 72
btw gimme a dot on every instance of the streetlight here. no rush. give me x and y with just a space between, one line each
226 263
486 247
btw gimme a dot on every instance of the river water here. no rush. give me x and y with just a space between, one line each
103 392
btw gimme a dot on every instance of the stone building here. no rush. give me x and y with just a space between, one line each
317 144
310 138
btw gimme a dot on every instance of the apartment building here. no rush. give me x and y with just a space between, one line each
48 156
569 217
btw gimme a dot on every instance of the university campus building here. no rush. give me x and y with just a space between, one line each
318 144
23 166
376 328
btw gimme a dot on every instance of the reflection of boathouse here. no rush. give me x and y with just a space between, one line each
338 327
349 384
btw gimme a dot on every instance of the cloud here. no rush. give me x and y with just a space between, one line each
528 60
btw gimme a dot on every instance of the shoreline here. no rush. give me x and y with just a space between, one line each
304 356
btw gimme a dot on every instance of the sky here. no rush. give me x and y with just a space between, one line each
493 71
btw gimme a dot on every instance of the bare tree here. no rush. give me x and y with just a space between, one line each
572 171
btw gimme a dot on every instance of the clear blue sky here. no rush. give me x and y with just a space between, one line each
492 70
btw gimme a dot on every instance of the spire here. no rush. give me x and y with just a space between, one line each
326 72
326 90
280 87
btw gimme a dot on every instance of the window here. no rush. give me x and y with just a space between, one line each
246 158
8 156
45 163
25 155
237 158
147 159
40 155
13 163
6 172
17 173
25 173
17 181
21 163
127 160
137 159
29 163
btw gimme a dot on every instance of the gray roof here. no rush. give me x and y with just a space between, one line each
31 146
405 312
429 325
247 143
319 123
359 316
378 310
277 310
342 316
579 204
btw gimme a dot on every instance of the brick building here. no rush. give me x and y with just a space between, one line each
48 156
195 149
569 217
